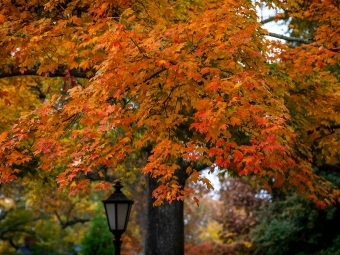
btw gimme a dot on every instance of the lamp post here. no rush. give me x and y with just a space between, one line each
117 208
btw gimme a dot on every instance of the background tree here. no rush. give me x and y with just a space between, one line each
99 239
223 221
201 226
51 223
240 203
292 225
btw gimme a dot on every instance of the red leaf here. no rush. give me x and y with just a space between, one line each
321 205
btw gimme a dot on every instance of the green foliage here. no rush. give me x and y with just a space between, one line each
98 241
292 225
44 249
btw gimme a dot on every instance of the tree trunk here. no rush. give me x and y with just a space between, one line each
165 226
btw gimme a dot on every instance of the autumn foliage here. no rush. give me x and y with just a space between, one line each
197 81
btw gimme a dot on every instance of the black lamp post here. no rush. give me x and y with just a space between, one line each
117 208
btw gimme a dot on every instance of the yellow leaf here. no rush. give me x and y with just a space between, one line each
207 183
3 135
189 170
101 175
128 12
247 244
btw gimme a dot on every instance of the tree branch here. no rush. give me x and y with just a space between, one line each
270 19
73 222
279 16
11 242
330 128
289 39
154 75
68 222
15 227
330 168
11 71
331 132
4 213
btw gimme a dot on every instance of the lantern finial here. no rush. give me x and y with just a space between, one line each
118 186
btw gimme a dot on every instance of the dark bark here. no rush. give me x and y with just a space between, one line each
141 215
165 223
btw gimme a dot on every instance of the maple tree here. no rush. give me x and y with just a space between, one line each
189 83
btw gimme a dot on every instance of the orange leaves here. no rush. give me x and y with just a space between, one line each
44 146
11 158
48 66
163 62
237 155
207 183
167 193
235 121
6 174
76 20
196 177
102 186
166 152
198 83
213 86
2 19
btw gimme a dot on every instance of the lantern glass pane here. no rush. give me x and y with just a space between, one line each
111 214
122 211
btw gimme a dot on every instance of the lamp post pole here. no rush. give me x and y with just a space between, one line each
117 208
117 243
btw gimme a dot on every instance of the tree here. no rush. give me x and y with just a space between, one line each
189 84
241 202
50 225
99 239
223 224
292 225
